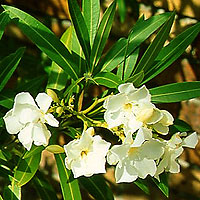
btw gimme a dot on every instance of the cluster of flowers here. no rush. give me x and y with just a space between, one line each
141 153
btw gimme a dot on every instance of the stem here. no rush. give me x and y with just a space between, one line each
97 101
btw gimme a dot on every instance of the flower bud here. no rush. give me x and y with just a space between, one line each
55 149
53 95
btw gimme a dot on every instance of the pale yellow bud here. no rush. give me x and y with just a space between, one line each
55 149
53 95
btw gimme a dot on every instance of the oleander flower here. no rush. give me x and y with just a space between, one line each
173 149
28 119
135 158
86 156
133 109
120 107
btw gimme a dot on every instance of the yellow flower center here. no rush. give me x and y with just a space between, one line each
132 150
84 153
128 106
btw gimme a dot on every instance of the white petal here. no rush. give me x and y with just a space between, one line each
51 120
190 141
167 118
141 95
24 98
161 128
126 88
13 126
41 134
117 101
25 136
145 167
44 101
132 125
155 117
152 149
28 114
122 176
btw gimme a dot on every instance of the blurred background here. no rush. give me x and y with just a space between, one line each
54 14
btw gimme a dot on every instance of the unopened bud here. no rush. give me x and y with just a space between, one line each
53 95
55 149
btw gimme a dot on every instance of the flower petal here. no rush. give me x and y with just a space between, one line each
25 136
13 126
167 118
24 98
126 88
161 128
155 117
41 134
51 120
190 141
145 167
44 101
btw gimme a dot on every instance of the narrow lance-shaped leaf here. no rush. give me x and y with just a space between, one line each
6 98
43 188
4 20
155 47
44 39
91 13
12 192
141 31
58 77
175 92
97 187
172 51
69 185
122 10
80 27
102 34
136 79
8 66
143 185
108 79
26 169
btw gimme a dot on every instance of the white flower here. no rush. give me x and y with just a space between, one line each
132 108
173 149
27 119
135 159
120 107
86 156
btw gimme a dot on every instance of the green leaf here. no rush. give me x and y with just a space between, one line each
12 192
91 13
107 79
69 185
44 39
136 79
26 169
33 151
97 187
8 66
143 185
140 32
163 184
172 51
1 197
5 155
102 34
6 98
122 10
58 77
180 126
130 64
80 27
175 92
4 20
155 47
43 188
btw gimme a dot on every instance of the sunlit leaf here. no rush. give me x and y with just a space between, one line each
107 79
91 13
102 34
44 39
172 51
175 92
33 151
69 185
4 20
80 27
26 169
